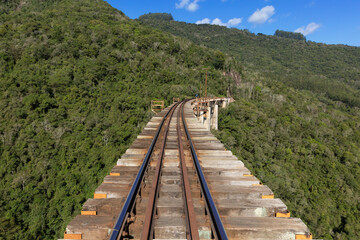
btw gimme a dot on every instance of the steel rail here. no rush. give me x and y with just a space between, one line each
218 227
130 200
193 230
149 214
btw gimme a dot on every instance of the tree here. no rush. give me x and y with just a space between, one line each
293 35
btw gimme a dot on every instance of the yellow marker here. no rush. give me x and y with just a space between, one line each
88 213
303 236
271 196
72 236
283 215
248 175
114 174
99 195
257 184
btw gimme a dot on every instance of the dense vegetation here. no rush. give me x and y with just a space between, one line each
31 5
157 16
76 80
305 145
285 34
307 152
332 70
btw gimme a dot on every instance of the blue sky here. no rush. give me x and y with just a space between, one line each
327 21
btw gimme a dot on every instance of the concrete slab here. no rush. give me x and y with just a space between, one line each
244 192
124 180
133 156
242 207
113 190
222 164
104 207
213 153
137 151
91 227
168 227
129 162
170 207
263 227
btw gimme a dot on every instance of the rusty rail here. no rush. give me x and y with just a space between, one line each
191 222
192 225
217 226
130 200
149 214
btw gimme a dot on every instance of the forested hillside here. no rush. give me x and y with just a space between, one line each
295 122
76 81
306 151
333 70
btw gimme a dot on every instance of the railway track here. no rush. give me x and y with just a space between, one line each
177 181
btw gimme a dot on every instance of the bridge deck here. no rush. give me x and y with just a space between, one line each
247 208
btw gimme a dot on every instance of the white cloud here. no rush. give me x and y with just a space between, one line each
182 4
261 16
234 22
190 6
193 6
217 21
204 21
310 28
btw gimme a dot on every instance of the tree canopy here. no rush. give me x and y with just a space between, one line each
293 35
157 16
332 70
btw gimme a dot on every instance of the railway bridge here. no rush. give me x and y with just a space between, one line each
177 181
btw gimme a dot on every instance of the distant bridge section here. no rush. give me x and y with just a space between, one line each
207 110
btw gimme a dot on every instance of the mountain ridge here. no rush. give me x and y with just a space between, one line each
77 78
295 122
330 69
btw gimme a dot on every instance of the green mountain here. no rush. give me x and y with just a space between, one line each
76 81
332 70
296 121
